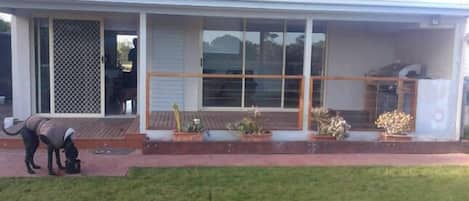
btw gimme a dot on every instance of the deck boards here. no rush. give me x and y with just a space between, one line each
218 120
95 128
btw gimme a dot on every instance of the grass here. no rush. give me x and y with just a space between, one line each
250 183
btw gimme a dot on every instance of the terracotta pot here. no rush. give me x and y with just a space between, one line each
314 137
395 138
187 136
256 138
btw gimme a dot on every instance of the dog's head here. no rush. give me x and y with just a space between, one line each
72 163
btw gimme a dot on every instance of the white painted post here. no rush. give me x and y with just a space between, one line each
142 70
458 77
307 70
21 67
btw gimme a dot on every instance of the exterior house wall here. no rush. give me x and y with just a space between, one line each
353 52
432 48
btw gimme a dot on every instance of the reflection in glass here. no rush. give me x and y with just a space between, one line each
294 42
222 54
264 46
318 60
264 56
272 47
263 92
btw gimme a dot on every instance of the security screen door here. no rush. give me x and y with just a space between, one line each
78 72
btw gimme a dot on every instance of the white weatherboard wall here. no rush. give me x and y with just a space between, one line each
353 52
175 48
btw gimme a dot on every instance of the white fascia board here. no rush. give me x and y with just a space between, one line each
253 5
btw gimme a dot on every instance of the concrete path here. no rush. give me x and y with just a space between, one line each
12 165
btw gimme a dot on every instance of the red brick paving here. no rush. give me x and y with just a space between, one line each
12 165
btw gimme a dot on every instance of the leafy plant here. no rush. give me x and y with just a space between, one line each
250 125
394 122
330 125
194 126
177 117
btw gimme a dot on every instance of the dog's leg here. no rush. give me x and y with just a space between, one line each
35 140
50 149
27 162
28 150
57 159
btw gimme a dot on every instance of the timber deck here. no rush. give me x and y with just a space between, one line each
218 120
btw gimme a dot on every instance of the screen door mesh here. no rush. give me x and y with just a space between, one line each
77 70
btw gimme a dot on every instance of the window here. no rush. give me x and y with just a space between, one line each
256 47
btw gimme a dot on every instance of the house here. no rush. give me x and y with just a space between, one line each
217 59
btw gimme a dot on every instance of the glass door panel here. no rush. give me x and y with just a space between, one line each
264 56
41 50
222 54
294 53
318 56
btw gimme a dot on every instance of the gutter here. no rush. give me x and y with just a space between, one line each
317 6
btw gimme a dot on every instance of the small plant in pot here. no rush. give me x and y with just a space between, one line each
331 126
395 125
251 128
191 131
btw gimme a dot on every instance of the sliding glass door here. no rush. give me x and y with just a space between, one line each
254 47
264 56
222 54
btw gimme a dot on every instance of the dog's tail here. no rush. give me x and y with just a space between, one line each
8 123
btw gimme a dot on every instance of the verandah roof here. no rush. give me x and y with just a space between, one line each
428 7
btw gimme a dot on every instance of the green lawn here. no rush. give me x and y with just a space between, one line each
249 183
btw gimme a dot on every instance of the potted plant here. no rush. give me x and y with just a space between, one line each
395 125
251 128
330 126
192 131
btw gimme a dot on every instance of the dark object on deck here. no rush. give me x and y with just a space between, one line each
113 151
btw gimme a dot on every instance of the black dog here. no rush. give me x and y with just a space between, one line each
54 136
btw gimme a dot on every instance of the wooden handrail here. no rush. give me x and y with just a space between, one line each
239 76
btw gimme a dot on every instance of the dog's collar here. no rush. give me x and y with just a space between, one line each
68 133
